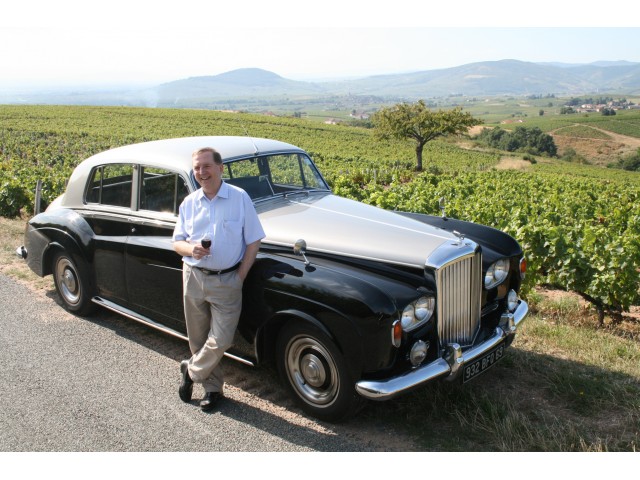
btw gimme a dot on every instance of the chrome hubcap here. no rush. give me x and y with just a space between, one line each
68 281
312 371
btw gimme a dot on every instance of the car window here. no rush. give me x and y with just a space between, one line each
111 185
294 170
312 178
242 168
161 190
269 175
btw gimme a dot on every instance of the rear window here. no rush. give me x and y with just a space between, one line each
111 185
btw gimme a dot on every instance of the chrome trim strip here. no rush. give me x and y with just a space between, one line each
114 307
452 364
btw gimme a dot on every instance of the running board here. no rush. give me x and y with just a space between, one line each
114 307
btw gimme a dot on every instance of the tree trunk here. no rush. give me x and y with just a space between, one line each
419 156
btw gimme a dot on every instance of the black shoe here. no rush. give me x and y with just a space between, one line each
186 384
209 401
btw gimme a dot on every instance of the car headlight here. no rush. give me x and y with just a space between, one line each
417 313
497 273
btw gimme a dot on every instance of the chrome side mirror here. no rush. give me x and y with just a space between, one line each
300 248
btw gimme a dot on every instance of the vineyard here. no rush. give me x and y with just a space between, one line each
579 225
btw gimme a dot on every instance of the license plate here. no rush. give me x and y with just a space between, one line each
479 365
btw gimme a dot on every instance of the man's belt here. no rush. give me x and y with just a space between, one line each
206 271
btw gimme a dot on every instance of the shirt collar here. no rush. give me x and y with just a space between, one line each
223 192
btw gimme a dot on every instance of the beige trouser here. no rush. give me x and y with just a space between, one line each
212 305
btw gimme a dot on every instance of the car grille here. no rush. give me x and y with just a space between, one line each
459 298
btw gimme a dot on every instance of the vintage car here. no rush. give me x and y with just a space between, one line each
348 300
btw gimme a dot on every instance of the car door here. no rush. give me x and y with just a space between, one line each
108 208
153 269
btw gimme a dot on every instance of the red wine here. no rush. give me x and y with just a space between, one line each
206 243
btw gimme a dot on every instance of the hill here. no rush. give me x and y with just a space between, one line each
260 89
505 77
245 82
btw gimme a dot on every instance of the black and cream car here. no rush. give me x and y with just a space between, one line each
348 300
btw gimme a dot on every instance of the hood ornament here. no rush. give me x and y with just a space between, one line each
459 235
441 205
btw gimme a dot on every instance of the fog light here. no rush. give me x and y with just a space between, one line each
418 353
512 301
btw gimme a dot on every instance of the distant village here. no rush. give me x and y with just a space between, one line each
602 106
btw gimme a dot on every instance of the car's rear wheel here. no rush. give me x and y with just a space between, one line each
315 371
72 284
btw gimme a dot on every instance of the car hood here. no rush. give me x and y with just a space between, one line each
338 226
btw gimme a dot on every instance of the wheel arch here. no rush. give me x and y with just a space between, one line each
349 345
61 229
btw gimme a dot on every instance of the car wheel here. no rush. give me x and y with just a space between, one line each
315 371
72 284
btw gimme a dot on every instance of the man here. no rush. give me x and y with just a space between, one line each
213 277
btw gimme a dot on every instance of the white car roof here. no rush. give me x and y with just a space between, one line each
172 154
177 151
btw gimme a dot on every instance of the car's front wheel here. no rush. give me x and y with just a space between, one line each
315 371
72 284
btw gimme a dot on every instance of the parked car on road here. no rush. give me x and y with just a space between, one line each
348 300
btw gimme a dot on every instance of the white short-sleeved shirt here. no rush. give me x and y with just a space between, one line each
230 219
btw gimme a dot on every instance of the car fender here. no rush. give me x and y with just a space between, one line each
58 229
353 307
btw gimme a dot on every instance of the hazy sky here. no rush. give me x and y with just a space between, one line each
47 43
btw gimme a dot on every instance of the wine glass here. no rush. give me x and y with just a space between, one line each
206 242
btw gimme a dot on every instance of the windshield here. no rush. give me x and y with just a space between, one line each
270 175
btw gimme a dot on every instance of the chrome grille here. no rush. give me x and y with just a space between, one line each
459 297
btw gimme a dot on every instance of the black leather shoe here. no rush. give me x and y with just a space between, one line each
186 384
209 401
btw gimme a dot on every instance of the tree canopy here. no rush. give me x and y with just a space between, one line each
522 139
415 121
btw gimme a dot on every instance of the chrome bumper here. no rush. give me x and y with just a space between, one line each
450 364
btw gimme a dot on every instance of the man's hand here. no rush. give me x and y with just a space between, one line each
199 251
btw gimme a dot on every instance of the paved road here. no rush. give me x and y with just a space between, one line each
109 384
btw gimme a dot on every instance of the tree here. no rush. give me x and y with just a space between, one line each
632 162
415 121
530 140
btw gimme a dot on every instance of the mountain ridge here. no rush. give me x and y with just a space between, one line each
258 86
500 77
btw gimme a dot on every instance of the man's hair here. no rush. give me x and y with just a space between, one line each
216 155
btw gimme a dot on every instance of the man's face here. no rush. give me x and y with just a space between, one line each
207 172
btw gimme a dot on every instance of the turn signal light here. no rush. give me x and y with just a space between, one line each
523 267
396 333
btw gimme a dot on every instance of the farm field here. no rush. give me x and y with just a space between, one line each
578 223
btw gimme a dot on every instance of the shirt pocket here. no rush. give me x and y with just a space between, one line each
231 232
